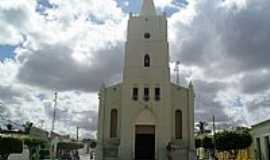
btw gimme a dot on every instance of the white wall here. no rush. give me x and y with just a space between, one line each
261 131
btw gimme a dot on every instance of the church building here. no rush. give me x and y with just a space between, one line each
146 117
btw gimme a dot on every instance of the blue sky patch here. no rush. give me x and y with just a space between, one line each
237 102
43 5
7 51
135 6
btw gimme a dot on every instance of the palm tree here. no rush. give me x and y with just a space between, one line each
9 127
202 125
27 127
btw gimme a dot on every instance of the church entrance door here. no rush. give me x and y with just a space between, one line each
145 142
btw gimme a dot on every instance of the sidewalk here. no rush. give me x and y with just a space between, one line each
84 157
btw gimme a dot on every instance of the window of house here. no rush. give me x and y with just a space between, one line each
178 124
259 151
267 144
146 60
114 122
146 94
157 94
135 94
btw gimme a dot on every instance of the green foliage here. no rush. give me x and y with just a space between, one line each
70 145
93 144
10 145
31 142
9 127
27 127
198 143
207 143
202 126
44 154
226 141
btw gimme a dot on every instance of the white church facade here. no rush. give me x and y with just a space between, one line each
139 117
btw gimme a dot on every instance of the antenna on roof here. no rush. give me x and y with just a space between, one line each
176 70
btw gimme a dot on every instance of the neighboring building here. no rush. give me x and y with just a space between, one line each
39 133
8 126
60 137
261 143
141 116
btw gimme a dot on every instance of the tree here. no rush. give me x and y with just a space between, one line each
232 142
9 127
27 127
93 144
198 143
202 125
70 146
33 144
9 145
207 143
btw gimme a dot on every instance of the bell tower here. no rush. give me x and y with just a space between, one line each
146 56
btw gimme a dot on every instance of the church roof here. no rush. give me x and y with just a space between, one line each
261 123
148 8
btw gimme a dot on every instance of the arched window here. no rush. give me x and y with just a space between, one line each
147 61
114 122
135 93
178 124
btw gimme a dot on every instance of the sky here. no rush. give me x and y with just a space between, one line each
74 47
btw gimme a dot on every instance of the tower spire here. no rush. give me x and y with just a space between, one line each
148 8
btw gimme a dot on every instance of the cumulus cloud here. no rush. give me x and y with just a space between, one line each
59 50
74 47
162 4
228 42
223 39
54 67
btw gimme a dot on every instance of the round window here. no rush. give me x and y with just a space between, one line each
147 35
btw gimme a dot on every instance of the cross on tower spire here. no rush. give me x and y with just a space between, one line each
148 8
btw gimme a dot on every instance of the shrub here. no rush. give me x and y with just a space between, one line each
198 143
233 141
9 145
30 141
207 143
70 145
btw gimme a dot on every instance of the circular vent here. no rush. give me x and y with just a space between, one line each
147 35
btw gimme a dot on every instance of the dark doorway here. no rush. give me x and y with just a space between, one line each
267 145
145 143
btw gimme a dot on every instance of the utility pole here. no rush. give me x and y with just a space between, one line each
54 111
176 70
214 136
77 133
